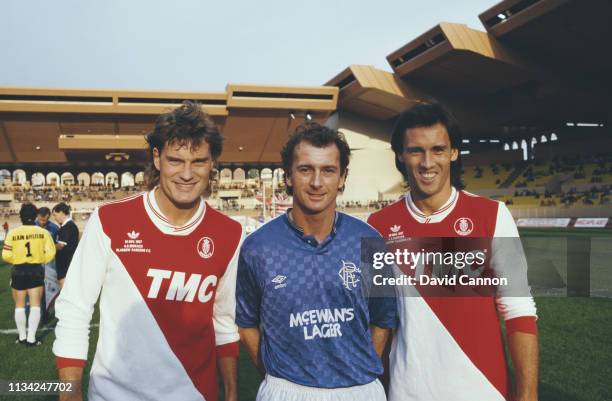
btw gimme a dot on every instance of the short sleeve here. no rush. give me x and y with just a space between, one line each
382 299
248 293
7 249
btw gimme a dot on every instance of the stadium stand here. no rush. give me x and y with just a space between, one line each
487 176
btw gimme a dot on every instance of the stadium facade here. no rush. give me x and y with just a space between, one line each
531 90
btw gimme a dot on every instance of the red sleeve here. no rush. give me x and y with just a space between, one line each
524 324
231 350
69 363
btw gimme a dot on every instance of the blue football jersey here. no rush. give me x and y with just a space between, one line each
308 299
52 228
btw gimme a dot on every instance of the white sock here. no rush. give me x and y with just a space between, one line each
33 321
20 321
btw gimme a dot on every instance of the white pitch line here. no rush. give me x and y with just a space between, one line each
14 331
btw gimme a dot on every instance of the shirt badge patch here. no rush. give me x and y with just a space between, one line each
206 247
463 226
348 274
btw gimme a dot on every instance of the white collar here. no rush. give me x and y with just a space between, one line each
436 216
66 221
164 225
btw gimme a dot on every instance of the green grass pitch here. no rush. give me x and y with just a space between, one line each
575 339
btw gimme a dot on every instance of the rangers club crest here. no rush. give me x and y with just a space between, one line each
348 275
206 247
464 226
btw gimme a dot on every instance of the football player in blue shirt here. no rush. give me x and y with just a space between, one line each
302 308
50 289
42 220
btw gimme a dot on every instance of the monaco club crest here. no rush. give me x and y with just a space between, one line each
206 247
464 226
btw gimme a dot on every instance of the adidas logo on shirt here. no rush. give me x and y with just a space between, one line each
395 232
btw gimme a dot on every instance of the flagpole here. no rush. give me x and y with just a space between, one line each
263 192
273 193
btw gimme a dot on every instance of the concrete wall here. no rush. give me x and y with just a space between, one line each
372 168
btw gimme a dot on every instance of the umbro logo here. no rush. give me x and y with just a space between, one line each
279 281
396 228
133 234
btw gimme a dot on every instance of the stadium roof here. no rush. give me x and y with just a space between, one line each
81 126
375 93
540 64
571 35
456 57
528 72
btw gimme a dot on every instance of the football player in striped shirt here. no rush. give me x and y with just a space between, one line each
451 347
301 306
163 264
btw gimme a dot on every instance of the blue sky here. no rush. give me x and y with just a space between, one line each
199 45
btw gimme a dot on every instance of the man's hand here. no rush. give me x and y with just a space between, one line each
228 366
74 376
379 338
524 353
250 338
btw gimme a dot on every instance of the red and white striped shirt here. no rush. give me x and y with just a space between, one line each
167 301
451 348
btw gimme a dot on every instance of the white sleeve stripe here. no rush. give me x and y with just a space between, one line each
511 307
224 311
75 304
504 224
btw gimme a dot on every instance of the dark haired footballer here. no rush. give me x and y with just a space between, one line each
301 308
42 220
164 266
451 348
67 240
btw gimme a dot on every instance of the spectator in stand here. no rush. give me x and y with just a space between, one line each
67 240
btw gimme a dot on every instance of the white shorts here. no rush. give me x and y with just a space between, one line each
276 389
